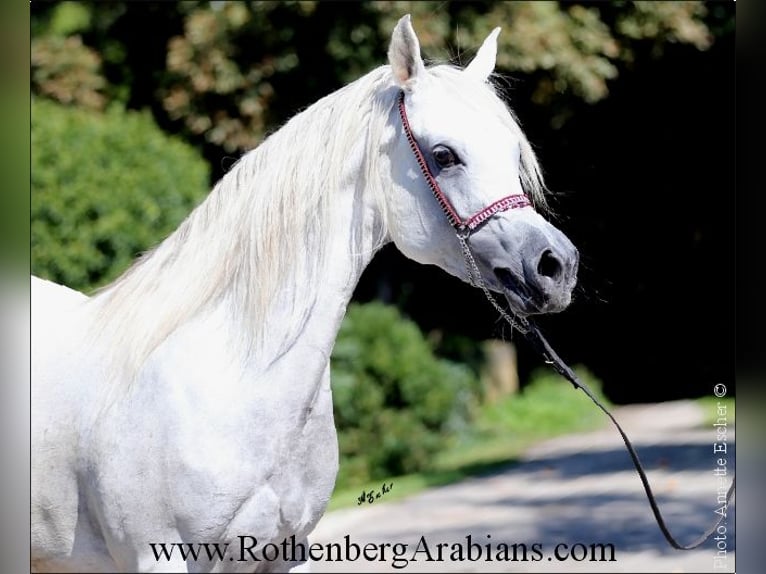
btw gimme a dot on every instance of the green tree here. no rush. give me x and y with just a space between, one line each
224 74
105 187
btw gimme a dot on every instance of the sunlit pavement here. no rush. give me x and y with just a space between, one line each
574 490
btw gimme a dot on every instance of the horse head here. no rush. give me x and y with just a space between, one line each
456 149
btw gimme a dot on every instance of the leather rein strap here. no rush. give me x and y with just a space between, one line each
463 228
542 346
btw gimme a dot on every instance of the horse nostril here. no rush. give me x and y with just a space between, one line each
549 265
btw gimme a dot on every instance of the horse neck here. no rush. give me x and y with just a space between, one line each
214 271
309 310
299 326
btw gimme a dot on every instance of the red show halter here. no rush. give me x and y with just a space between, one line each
462 226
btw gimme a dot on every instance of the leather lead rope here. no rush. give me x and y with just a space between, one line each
463 228
542 346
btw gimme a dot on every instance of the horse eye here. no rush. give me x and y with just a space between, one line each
444 156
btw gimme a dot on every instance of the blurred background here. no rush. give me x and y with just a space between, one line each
138 108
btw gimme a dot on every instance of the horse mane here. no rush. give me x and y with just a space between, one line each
265 225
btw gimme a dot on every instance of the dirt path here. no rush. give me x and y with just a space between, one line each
576 489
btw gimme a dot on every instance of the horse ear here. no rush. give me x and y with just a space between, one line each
404 54
484 62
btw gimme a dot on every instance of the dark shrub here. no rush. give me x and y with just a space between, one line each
396 403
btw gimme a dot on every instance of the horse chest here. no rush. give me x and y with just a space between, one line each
230 465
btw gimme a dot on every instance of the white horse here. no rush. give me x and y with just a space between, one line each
190 400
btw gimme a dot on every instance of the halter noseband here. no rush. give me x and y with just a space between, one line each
463 229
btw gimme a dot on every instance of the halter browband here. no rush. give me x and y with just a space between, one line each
461 225
463 228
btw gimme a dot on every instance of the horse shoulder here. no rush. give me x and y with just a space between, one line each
55 396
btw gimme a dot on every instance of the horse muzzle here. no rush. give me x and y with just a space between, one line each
544 275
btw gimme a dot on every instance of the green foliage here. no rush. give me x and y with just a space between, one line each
70 18
499 433
65 70
226 73
576 49
547 406
396 404
674 21
710 406
105 187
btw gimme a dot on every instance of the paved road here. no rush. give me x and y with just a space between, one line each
575 489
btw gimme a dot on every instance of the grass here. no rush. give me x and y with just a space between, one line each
500 434
710 406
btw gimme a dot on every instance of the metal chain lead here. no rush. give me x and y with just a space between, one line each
476 280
